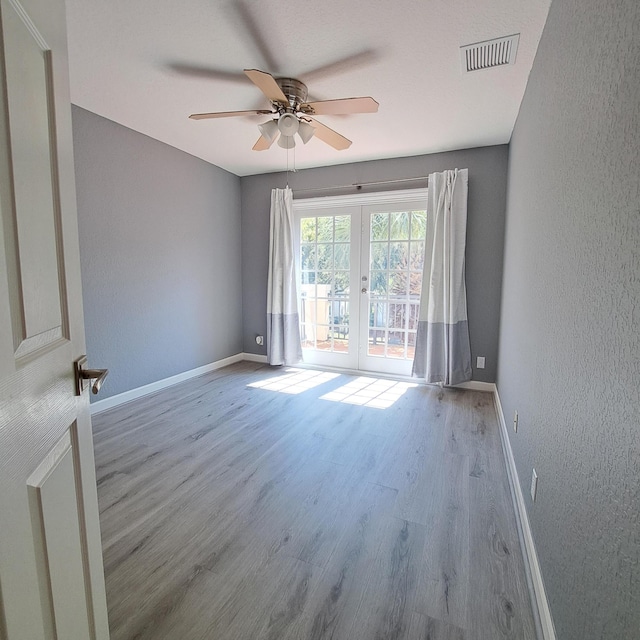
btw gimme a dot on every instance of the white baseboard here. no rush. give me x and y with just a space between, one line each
133 394
545 621
254 357
475 385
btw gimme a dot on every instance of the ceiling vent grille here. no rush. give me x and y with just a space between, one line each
490 53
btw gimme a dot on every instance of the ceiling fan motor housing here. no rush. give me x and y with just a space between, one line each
295 91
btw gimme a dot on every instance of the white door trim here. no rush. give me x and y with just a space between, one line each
379 197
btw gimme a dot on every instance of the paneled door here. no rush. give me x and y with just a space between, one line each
51 574
359 264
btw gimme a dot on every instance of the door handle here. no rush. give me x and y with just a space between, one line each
364 289
81 374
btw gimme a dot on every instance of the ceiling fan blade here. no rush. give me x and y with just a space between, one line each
267 84
228 114
331 137
349 64
206 72
263 143
252 25
343 106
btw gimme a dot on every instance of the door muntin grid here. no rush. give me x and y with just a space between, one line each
325 272
396 260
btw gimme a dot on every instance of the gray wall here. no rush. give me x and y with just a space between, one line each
485 233
569 340
160 255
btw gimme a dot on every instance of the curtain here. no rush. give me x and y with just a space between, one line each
443 354
283 326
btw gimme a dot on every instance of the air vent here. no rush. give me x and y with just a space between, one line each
490 53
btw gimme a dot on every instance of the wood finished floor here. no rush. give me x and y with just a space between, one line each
239 512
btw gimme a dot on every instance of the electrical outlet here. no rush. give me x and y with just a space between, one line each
515 421
259 339
534 485
480 362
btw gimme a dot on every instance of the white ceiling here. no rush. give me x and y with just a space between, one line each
148 64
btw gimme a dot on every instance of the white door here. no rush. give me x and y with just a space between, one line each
51 574
391 276
359 264
328 256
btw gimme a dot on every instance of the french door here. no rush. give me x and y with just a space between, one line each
359 266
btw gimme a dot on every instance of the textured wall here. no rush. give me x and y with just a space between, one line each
569 341
485 232
160 255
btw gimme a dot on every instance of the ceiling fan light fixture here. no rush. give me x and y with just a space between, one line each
290 113
286 142
269 129
305 131
288 124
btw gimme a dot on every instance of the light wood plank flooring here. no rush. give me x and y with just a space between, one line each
256 503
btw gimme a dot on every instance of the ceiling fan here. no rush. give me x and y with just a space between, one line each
292 113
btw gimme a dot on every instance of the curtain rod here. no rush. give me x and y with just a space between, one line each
359 185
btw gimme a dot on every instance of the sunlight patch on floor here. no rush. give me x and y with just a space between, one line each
370 392
295 381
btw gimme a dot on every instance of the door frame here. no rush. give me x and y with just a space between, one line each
327 204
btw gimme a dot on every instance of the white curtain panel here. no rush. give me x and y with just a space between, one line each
443 354
283 325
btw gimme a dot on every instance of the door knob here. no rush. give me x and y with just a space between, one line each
81 374
364 289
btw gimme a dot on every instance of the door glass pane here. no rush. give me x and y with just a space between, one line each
325 279
379 255
399 226
340 283
395 344
399 255
413 316
378 283
325 229
397 319
341 340
342 226
307 256
378 314
380 226
396 250
341 255
307 230
377 342
418 225
416 259
398 281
